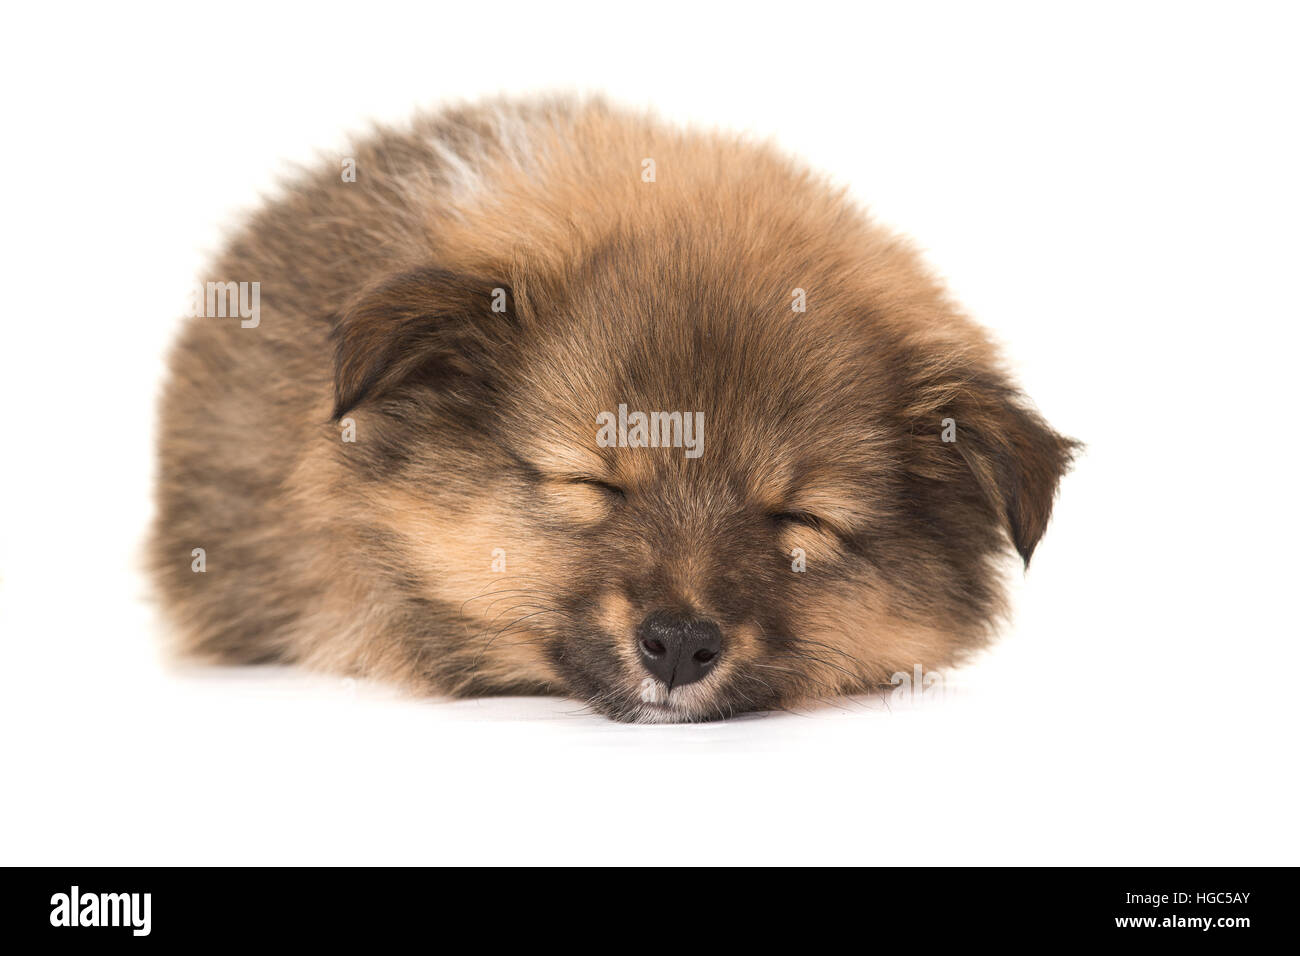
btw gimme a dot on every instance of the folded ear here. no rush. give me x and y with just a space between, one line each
1018 461
430 326
986 430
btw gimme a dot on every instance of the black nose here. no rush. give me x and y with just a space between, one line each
677 648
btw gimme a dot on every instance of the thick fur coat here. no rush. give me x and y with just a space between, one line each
398 471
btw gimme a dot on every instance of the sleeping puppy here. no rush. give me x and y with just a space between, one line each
549 398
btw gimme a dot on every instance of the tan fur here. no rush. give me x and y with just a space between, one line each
475 428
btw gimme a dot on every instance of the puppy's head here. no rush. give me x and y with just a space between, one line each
686 482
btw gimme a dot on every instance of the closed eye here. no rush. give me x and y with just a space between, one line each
614 491
805 518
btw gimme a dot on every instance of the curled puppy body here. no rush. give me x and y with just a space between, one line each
551 398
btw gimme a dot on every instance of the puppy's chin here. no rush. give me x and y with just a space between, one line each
663 714
654 703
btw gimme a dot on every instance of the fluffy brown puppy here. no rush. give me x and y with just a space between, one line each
553 398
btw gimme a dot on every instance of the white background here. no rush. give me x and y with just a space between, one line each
1111 188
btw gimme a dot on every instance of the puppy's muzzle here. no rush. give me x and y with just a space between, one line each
677 648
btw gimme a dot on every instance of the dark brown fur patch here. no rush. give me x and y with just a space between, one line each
427 323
